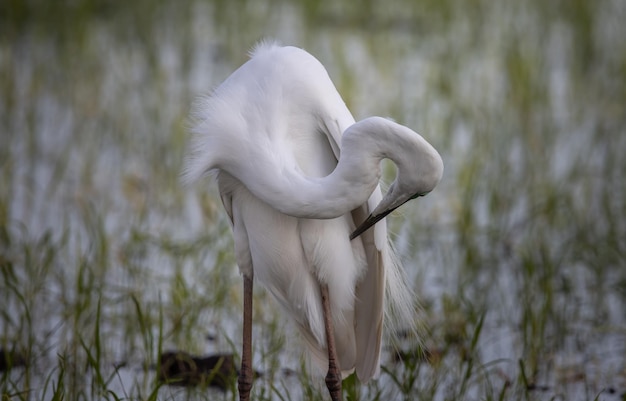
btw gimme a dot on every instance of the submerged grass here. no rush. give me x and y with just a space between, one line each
105 261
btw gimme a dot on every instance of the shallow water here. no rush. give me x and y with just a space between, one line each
525 102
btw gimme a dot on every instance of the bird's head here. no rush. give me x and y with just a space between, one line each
420 169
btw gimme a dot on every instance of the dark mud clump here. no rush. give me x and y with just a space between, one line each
177 368
10 359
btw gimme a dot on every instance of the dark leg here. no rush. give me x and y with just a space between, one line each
333 378
245 374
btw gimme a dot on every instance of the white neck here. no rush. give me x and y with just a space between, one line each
358 171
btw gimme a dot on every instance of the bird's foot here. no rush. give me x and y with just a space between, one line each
333 382
245 384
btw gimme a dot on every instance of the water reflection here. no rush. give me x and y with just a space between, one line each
525 100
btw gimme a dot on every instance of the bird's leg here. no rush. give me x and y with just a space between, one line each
333 377
246 374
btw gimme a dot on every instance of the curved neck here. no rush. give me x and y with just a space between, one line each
357 174
291 192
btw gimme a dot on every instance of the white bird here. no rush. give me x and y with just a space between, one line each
298 179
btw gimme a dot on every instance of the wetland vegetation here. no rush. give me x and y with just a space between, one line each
518 257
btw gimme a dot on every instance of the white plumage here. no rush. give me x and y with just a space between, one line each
297 175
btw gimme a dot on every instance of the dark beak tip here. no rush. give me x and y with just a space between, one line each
370 222
367 224
358 231
362 228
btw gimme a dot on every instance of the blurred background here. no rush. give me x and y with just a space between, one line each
518 257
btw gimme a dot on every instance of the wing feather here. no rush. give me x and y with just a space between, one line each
369 305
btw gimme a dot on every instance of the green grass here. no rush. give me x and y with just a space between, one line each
519 256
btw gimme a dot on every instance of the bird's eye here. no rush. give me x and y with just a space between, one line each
417 195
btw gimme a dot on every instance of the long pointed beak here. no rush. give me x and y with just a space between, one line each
376 216
369 222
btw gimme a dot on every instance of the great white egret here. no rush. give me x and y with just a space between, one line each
298 178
